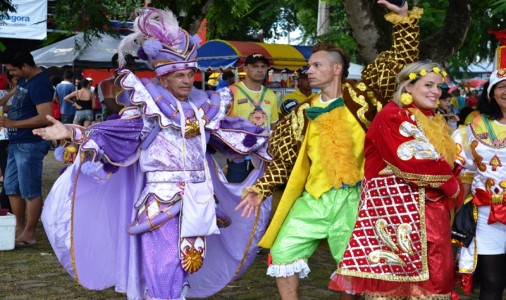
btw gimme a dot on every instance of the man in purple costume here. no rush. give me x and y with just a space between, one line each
132 173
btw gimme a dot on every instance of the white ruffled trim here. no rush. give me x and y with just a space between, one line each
299 266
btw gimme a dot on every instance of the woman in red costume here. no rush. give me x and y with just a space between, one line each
401 243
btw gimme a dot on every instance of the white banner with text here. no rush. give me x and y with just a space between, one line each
28 22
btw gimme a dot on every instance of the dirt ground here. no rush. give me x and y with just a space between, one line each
35 273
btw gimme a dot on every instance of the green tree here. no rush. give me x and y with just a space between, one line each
454 32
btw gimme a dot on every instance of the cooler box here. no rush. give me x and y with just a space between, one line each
7 232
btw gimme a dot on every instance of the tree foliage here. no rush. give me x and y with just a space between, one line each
454 32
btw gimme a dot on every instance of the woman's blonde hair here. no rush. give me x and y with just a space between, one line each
403 78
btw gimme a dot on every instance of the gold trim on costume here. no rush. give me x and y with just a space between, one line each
298 122
420 179
360 100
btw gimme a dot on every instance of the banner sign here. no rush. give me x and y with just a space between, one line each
28 22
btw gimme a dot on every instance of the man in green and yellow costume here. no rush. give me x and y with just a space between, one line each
318 151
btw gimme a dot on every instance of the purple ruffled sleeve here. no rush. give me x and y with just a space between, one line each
115 141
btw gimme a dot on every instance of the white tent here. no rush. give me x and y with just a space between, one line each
66 53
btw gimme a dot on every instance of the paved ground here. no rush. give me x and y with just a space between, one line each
35 273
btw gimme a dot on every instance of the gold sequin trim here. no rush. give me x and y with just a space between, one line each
420 179
360 100
298 122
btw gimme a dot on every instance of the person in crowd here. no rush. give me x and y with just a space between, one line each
318 151
77 83
92 87
23 175
447 110
227 79
472 99
5 102
303 92
137 174
107 90
457 100
254 102
63 89
55 105
82 100
401 244
482 146
470 111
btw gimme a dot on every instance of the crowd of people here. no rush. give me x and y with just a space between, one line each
378 168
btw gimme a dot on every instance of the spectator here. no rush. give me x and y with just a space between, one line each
63 89
227 79
303 92
447 110
107 90
255 103
5 102
23 176
82 100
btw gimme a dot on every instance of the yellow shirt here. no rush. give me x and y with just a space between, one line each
242 106
297 95
317 182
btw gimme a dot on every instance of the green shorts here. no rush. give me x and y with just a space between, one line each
311 220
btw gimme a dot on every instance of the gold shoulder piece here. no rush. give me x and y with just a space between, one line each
298 121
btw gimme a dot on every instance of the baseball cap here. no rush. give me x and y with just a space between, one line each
256 57
288 105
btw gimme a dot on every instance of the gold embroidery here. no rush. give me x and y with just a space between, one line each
374 101
384 236
298 122
403 238
361 86
497 195
386 171
460 154
420 179
495 162
477 158
380 256
359 99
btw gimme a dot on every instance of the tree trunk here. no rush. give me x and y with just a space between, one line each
373 34
448 40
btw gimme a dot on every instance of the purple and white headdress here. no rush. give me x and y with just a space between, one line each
166 46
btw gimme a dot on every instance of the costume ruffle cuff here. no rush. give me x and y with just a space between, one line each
77 135
299 267
415 13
